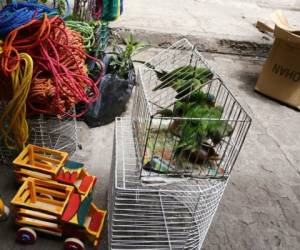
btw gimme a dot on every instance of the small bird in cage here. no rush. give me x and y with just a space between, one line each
183 78
196 138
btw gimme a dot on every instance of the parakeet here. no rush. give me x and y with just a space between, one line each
195 133
185 104
197 137
183 78
200 98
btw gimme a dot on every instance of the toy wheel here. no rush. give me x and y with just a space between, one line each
73 244
5 214
26 235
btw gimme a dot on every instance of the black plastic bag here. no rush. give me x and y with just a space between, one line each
115 94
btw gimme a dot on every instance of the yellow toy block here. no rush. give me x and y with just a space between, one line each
39 195
38 162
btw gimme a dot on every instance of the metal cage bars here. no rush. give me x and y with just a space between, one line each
47 131
175 215
147 103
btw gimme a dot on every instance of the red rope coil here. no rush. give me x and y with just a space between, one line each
60 76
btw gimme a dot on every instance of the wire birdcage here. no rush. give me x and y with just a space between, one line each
47 131
157 201
167 214
187 123
53 132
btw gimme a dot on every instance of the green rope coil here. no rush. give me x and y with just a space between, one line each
86 30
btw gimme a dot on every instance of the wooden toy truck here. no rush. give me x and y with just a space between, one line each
55 198
49 164
58 209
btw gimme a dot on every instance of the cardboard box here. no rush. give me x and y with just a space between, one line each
280 76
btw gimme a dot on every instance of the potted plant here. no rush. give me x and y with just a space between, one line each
117 83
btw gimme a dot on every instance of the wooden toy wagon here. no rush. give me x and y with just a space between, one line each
49 164
58 209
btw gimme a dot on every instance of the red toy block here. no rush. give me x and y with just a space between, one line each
87 181
66 177
72 207
95 221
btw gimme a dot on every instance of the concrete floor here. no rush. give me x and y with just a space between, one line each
216 25
261 205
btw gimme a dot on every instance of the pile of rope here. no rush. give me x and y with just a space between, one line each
16 14
13 124
60 77
42 69
86 30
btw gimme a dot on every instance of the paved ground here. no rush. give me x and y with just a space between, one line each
217 25
261 205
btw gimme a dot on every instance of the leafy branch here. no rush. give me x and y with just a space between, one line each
121 62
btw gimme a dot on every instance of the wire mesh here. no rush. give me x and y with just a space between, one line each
53 132
187 122
46 131
169 215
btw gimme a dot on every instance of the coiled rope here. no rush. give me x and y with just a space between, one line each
16 14
13 124
86 30
60 77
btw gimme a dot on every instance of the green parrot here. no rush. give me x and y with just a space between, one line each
181 78
181 107
212 127
195 133
200 98
196 137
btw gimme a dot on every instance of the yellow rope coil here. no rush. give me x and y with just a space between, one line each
15 132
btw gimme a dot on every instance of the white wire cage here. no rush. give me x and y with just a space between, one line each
170 215
174 209
186 121
54 132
